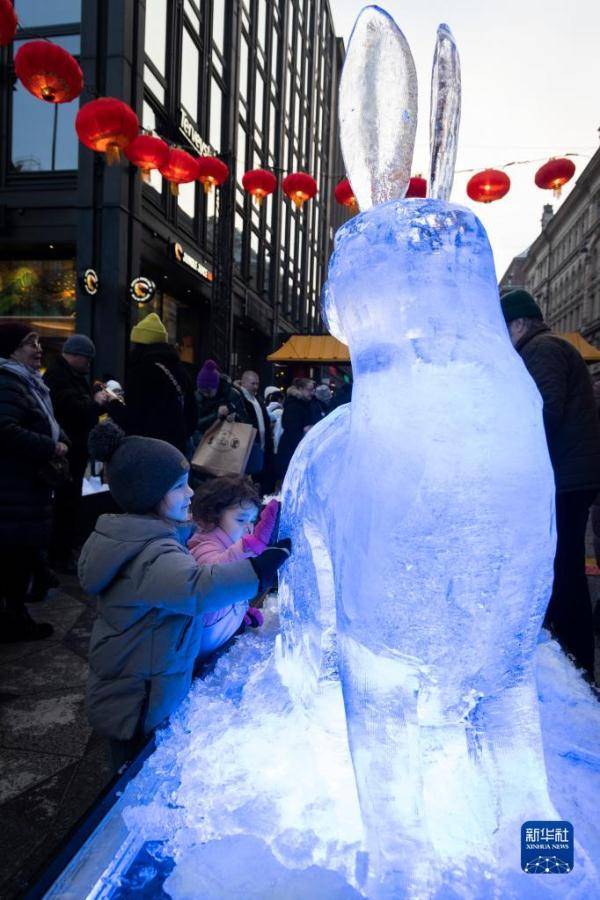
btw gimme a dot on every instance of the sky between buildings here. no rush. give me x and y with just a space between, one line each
530 90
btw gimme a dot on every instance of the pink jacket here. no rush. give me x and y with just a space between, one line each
208 547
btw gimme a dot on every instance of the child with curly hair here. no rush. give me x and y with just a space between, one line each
225 511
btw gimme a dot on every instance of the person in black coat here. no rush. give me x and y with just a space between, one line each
77 410
252 410
31 441
159 398
573 436
214 398
297 419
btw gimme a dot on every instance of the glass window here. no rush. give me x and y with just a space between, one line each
216 107
211 216
149 124
274 51
238 237
55 146
156 28
243 88
187 198
261 30
31 288
258 102
190 68
241 154
36 14
218 23
151 81
254 245
192 15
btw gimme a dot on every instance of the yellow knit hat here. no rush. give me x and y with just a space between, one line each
149 331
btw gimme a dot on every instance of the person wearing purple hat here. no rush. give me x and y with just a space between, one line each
31 448
215 398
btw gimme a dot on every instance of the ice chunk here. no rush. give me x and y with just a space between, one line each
444 114
378 109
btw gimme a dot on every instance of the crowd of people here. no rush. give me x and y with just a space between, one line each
175 570
46 421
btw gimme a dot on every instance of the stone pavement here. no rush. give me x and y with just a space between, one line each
52 767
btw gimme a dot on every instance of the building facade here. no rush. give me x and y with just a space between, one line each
254 82
562 270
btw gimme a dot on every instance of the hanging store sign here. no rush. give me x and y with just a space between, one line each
90 282
188 131
186 259
142 290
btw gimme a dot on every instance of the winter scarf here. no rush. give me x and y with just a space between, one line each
38 388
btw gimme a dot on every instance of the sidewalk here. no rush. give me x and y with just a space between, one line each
52 767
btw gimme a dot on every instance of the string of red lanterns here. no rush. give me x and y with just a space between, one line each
108 125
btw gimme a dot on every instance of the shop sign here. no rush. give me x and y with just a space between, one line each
190 261
188 131
142 290
90 282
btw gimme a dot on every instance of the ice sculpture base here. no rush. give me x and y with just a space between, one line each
256 795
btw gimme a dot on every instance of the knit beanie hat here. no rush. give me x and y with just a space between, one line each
79 345
11 335
519 305
140 470
208 376
149 331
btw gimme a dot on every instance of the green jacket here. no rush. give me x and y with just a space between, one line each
148 632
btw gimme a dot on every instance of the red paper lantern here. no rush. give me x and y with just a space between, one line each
553 174
8 22
299 187
180 168
344 195
417 187
211 172
147 153
107 126
48 72
489 185
259 183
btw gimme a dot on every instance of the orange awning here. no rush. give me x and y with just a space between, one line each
587 350
311 348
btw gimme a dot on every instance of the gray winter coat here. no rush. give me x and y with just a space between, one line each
148 631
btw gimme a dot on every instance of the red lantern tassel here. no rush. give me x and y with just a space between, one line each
113 155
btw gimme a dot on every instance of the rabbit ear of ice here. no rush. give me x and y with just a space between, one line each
445 114
378 109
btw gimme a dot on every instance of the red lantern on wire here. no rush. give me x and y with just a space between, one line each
48 72
260 183
344 195
8 22
211 172
179 168
107 126
299 187
417 187
147 152
553 174
489 185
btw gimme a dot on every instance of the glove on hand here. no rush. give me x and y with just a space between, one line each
254 618
258 541
267 563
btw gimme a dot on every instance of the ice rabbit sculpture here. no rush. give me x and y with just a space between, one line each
422 518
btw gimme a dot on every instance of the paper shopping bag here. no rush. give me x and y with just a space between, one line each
224 449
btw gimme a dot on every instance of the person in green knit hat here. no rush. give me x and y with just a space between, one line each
160 401
573 435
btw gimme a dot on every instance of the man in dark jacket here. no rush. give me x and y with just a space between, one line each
573 435
159 398
77 411
251 409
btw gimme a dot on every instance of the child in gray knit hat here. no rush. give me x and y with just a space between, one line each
152 594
